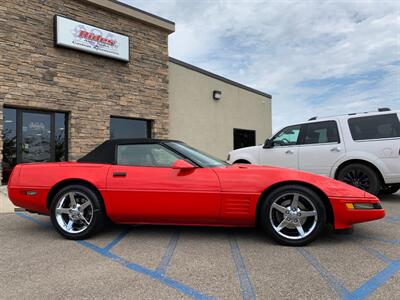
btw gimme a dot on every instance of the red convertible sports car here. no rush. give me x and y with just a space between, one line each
148 181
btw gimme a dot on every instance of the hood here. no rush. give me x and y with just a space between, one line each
273 175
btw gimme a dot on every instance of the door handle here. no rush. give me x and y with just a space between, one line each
335 149
119 174
289 151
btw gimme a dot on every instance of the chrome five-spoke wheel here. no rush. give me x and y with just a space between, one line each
74 212
293 216
77 211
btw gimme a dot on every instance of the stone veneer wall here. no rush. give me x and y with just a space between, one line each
35 74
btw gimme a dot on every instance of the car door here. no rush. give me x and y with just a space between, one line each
283 149
143 187
321 147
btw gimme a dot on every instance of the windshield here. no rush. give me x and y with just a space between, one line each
200 158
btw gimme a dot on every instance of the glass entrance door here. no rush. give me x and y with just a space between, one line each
32 136
36 137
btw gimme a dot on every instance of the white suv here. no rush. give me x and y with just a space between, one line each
360 149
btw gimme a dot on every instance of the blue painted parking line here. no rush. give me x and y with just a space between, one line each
119 238
393 219
34 220
165 261
246 287
155 275
368 287
145 271
377 254
333 282
362 292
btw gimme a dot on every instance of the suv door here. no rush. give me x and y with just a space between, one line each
321 147
284 148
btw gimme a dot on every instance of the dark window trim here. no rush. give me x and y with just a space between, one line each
305 129
149 123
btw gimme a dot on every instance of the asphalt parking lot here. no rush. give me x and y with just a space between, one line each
154 262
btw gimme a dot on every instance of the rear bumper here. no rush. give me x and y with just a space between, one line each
33 199
345 217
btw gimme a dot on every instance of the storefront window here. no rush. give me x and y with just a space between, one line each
125 128
32 136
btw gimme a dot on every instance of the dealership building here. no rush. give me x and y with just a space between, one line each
74 73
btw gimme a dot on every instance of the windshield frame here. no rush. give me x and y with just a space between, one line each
189 154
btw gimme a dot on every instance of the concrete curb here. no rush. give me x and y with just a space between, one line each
5 204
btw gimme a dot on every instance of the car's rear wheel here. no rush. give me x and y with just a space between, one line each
77 212
390 189
293 215
360 176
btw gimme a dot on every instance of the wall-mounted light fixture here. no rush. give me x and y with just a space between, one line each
217 95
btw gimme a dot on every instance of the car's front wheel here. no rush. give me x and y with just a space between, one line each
77 212
293 215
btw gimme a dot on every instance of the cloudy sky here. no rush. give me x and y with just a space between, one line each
314 57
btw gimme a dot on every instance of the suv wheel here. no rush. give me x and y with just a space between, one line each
76 212
390 189
360 176
293 215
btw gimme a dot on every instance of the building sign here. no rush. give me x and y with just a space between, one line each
81 36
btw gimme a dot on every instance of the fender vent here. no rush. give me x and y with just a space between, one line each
237 205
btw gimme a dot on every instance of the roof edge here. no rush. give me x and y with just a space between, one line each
218 77
133 12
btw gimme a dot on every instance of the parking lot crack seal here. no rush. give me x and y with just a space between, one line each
165 261
245 284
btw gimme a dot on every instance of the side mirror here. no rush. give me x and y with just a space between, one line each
268 144
181 164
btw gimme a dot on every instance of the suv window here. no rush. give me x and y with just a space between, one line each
147 155
322 132
375 127
287 136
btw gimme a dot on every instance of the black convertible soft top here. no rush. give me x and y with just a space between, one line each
105 153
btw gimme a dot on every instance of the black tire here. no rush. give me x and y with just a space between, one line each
96 215
242 161
361 176
390 189
270 217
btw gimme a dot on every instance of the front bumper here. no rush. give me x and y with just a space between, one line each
345 216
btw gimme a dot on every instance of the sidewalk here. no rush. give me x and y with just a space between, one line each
5 204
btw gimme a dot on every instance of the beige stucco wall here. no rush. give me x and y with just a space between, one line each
206 124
